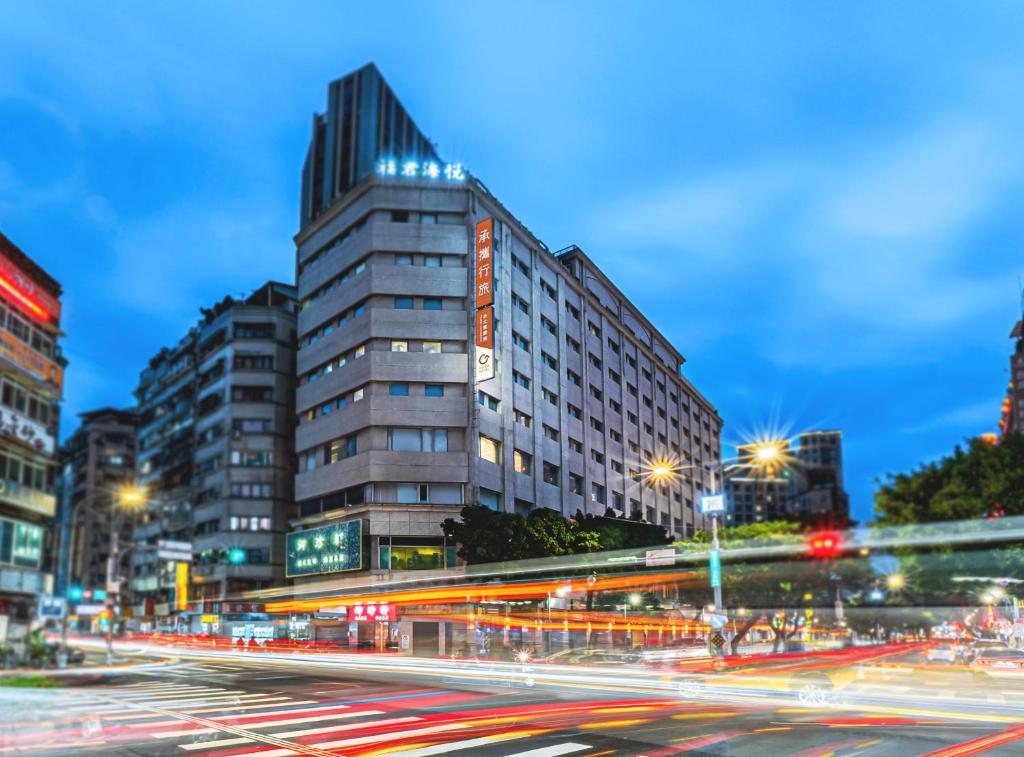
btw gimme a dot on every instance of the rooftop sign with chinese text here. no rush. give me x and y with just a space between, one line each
327 549
426 169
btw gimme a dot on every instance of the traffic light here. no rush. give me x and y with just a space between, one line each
75 594
824 545
236 556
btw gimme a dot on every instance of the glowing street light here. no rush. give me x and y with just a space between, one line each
634 599
131 497
895 581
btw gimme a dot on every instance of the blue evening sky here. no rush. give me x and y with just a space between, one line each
818 202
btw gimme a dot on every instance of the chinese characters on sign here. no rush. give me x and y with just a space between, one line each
16 426
427 169
381 613
484 293
328 549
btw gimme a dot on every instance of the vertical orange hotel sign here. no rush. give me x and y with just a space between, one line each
484 299
484 267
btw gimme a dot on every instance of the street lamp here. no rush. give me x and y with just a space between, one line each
895 581
127 498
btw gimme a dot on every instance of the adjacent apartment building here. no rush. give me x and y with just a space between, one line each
97 459
31 379
215 453
577 395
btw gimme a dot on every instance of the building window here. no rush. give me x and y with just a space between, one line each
549 361
432 348
596 393
429 218
615 435
522 418
551 473
572 310
575 484
341 449
548 290
614 376
614 405
520 342
550 433
400 216
520 303
403 303
573 411
616 466
433 390
550 327
550 396
521 462
358 394
572 376
432 303
251 459
593 328
597 457
490 450
519 378
432 261
597 493
487 401
596 425
399 345
572 344
613 345
403 259
399 390
575 445
418 439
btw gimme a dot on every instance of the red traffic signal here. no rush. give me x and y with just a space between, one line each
824 545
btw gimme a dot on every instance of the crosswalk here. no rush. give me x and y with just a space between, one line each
188 719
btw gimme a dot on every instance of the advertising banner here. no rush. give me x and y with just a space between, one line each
484 267
373 612
327 549
21 428
181 586
484 344
22 356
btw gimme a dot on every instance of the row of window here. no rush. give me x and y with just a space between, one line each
338 280
328 328
332 452
339 241
22 401
38 340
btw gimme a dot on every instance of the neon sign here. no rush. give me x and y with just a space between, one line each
415 169
24 291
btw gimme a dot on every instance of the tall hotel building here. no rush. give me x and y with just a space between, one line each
398 428
31 378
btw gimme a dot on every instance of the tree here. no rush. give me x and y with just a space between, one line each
618 533
485 535
971 483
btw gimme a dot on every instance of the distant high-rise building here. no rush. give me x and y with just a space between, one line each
817 495
31 379
756 492
97 459
805 485
215 453
448 357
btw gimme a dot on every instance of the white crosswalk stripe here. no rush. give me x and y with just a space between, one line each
310 731
269 723
555 750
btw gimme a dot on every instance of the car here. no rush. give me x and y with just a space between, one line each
944 653
978 645
995 662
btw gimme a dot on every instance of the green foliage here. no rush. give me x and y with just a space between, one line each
617 533
485 535
967 484
29 681
757 534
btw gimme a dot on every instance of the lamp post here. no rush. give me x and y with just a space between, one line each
128 498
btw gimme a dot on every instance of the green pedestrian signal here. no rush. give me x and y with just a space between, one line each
236 556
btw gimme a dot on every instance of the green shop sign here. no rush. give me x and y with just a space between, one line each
327 549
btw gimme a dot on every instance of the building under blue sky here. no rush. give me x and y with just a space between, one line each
818 206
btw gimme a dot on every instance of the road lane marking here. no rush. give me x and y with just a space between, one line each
359 741
553 751
246 706
242 715
310 731
268 724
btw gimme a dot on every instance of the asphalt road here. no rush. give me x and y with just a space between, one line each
241 705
